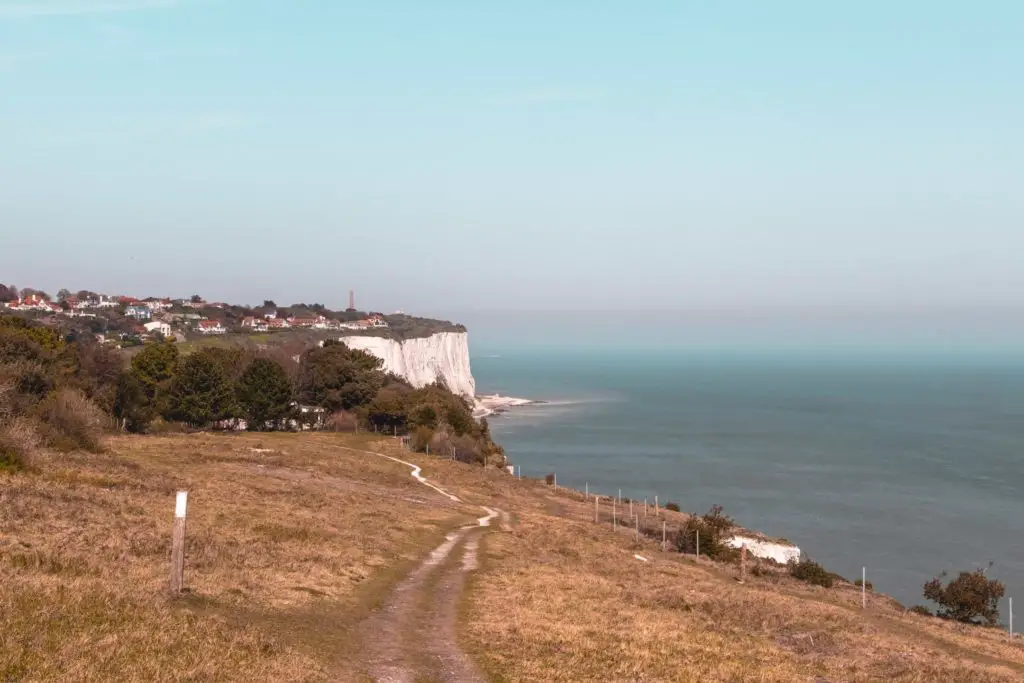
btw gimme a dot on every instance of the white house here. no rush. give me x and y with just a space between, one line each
158 326
210 327
254 324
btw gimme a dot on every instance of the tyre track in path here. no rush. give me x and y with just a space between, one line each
413 635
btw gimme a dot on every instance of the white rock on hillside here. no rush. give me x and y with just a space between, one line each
420 362
780 552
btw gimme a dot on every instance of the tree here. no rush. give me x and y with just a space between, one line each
155 367
264 394
336 377
28 291
63 295
200 394
971 598
132 406
269 303
8 294
387 410
195 298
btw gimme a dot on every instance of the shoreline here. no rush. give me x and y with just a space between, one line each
495 404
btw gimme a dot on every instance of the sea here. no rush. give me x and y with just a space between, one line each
904 459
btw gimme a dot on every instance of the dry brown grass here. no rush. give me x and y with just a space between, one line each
563 599
290 541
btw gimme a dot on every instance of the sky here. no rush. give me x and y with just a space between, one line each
532 155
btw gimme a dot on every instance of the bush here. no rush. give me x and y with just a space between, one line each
970 598
421 439
342 421
71 421
859 582
674 507
811 572
18 443
714 529
922 610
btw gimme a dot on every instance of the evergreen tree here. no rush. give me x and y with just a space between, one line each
264 394
200 394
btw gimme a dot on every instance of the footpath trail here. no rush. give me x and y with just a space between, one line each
412 637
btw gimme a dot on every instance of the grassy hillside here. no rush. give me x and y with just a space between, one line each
293 539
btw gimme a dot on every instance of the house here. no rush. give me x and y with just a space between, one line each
106 302
210 327
33 302
156 305
253 324
270 315
138 311
278 324
377 320
309 322
158 326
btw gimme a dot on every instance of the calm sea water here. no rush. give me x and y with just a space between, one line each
905 463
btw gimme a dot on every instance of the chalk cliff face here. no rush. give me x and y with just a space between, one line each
444 355
757 547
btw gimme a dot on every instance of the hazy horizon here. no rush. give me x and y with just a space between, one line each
541 156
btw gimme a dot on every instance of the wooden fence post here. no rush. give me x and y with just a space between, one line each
178 543
863 587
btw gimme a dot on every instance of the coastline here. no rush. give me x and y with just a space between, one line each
495 404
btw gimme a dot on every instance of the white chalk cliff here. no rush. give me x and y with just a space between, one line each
779 552
420 362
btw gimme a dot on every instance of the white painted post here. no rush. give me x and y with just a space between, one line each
554 479
863 587
520 468
178 543
645 509
655 503
1011 618
586 491
620 496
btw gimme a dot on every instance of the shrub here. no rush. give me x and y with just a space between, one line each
714 528
674 507
342 421
970 598
860 582
922 610
18 444
71 421
421 438
811 572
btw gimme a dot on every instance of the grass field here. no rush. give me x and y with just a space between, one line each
294 539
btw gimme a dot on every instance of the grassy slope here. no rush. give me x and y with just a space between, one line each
291 544
288 546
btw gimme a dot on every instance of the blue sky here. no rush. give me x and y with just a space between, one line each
450 156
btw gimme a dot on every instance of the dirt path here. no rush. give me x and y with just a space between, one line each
412 637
